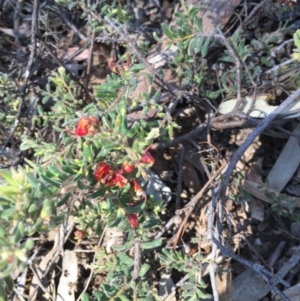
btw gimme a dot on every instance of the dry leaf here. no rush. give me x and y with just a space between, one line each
68 279
261 107
263 192
287 163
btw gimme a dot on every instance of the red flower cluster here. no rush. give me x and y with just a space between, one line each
104 174
133 220
86 126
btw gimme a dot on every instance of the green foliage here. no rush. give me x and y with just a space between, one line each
27 205
9 100
64 97
61 179
39 197
194 287
281 208
296 54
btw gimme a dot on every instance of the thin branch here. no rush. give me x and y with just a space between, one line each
269 277
188 209
238 68
34 29
258 130
254 11
92 267
179 178
59 63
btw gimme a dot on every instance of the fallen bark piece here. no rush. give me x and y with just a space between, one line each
68 279
293 293
264 193
249 286
286 164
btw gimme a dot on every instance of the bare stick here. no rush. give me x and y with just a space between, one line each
137 259
276 254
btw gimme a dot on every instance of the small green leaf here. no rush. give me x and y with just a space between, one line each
85 297
133 130
151 223
47 211
9 283
106 123
124 126
3 231
116 222
8 214
9 191
98 193
87 152
265 61
123 298
297 38
64 199
7 176
135 209
198 24
69 170
213 94
155 36
202 295
152 244
124 247
204 48
59 218
50 181
154 133
118 122
144 269
56 172
82 186
29 244
166 31
125 259
194 298
192 46
18 233
138 67
193 10
3 295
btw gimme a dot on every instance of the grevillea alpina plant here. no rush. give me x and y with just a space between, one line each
93 169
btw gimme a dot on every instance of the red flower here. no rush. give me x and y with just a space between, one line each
119 69
85 126
127 168
79 234
138 190
102 171
135 185
147 158
115 179
133 220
